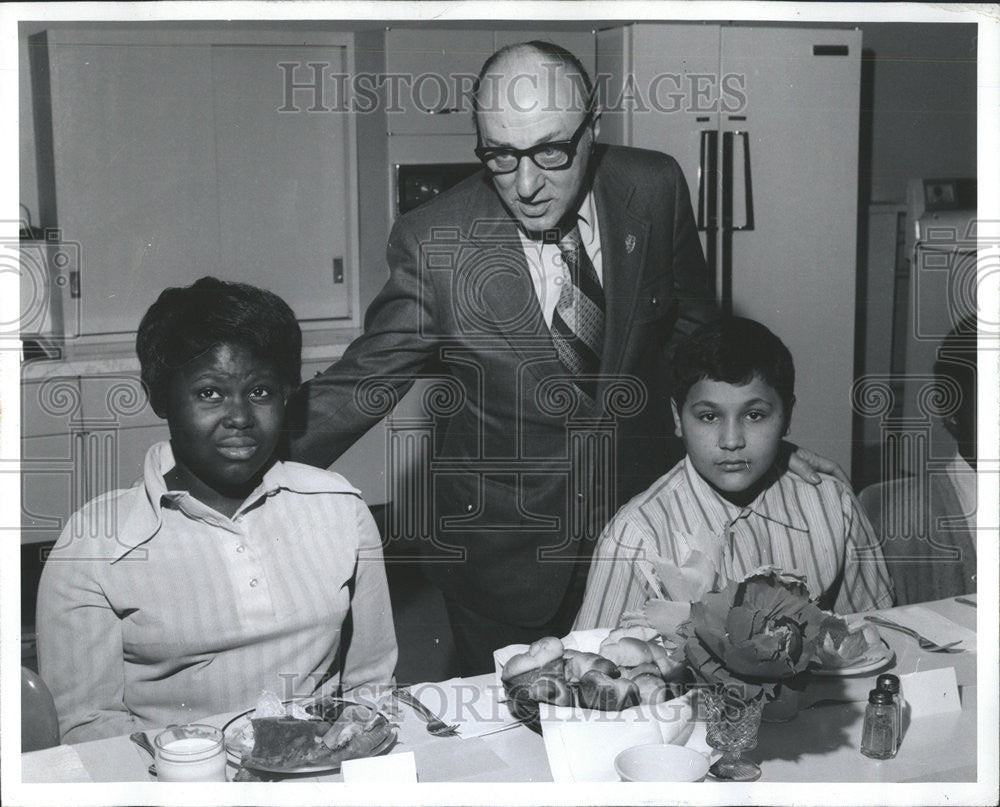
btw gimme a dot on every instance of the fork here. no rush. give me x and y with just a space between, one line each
435 725
923 641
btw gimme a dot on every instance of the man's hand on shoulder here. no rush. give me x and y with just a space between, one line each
808 465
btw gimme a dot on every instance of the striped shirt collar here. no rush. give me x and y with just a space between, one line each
143 522
770 505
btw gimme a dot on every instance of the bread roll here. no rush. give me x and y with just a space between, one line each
599 691
640 669
551 688
652 688
578 663
671 668
634 632
540 653
626 652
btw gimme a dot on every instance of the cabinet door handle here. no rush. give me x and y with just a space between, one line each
338 270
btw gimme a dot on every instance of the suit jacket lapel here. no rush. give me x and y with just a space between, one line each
624 237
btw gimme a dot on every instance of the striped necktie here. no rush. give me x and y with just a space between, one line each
578 319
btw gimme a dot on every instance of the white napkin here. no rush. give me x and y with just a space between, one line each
585 752
934 626
390 769
58 764
582 745
930 692
697 573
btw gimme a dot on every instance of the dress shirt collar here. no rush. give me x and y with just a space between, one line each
771 504
963 480
143 521
586 220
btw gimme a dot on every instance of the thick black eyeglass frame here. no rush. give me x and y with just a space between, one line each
485 153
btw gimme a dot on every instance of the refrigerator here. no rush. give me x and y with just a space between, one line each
764 122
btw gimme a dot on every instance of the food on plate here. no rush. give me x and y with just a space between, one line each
545 651
578 663
319 733
839 645
627 651
600 691
652 688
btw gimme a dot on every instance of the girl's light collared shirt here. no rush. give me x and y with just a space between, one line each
155 609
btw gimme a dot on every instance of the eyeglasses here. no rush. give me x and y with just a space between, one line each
554 156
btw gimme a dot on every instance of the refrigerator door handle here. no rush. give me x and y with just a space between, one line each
747 183
708 167
726 259
708 202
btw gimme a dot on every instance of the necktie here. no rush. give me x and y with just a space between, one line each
578 319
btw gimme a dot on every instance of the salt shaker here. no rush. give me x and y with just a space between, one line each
878 738
887 682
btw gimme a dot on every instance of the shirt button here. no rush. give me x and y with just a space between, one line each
253 583
241 548
579 495
654 300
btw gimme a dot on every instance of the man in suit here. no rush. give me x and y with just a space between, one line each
545 291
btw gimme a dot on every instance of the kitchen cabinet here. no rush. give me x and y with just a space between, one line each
432 72
169 153
52 485
764 123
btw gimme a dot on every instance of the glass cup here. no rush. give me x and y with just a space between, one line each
732 729
191 753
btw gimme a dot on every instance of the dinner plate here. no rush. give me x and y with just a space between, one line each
875 658
237 745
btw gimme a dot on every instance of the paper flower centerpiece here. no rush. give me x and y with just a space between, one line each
753 635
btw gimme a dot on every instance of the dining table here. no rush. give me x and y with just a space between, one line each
820 744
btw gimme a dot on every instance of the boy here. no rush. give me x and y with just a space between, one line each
927 522
731 498
224 571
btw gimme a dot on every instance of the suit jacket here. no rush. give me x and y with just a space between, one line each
526 470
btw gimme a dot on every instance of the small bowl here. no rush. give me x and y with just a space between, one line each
661 763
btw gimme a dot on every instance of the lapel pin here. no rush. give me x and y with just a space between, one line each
629 243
